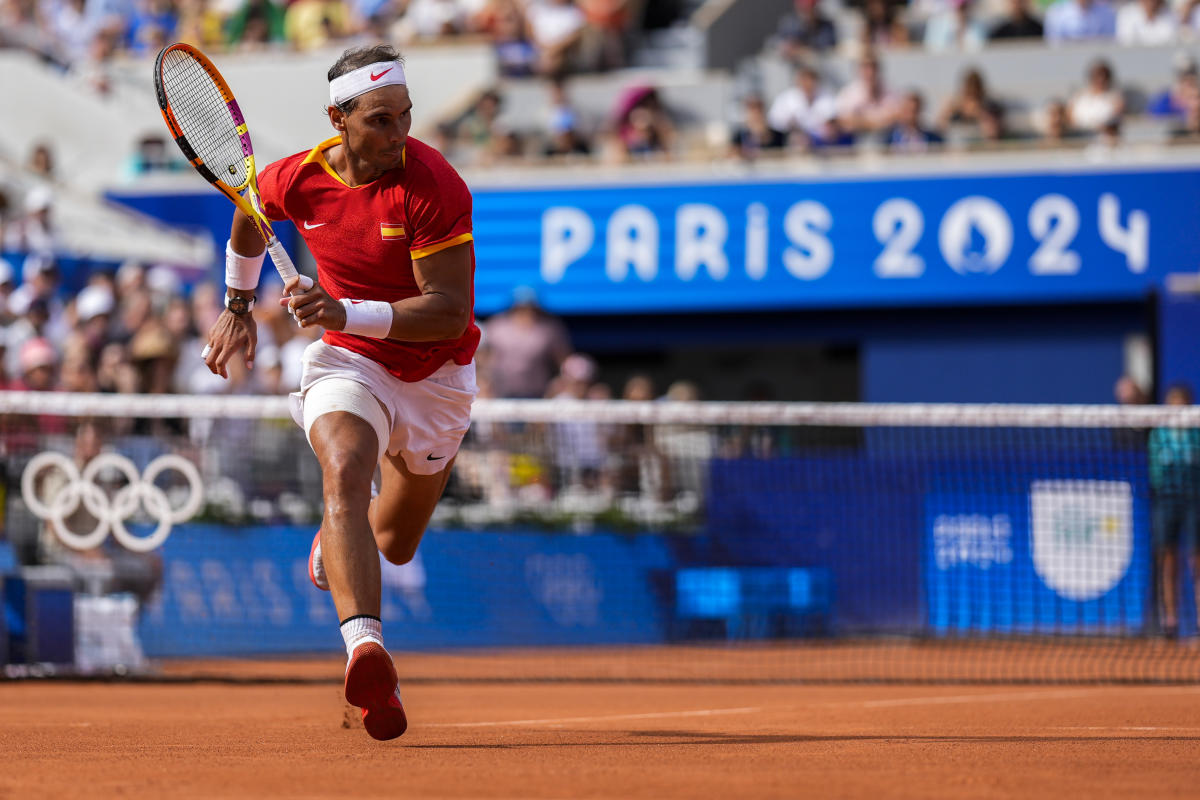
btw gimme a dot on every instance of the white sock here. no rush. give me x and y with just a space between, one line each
359 629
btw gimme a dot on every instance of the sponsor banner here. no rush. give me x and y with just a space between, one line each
1060 556
246 590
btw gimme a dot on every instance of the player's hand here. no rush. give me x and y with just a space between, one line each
230 335
313 306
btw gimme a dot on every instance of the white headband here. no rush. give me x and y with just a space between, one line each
364 79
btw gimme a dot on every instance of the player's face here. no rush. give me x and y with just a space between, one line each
377 128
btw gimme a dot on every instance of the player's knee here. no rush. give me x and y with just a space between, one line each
397 550
347 473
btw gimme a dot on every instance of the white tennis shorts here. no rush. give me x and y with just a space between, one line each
425 421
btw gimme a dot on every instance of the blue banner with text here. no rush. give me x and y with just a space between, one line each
980 239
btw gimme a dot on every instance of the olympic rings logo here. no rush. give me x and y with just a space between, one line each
113 512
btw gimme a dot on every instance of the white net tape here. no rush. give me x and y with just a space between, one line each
991 415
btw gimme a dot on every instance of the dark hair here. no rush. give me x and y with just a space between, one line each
1181 388
356 58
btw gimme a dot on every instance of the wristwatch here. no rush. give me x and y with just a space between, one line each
239 305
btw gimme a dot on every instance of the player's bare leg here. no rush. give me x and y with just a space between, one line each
1168 590
401 512
346 447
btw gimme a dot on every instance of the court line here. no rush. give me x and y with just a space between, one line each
994 697
703 712
1137 728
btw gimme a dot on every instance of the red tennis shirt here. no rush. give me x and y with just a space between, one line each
365 239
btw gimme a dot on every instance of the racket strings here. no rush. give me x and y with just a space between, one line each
203 116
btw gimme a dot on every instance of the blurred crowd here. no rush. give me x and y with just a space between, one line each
552 41
530 37
815 116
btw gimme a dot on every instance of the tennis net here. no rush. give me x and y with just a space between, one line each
604 540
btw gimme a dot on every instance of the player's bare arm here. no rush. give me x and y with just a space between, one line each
442 310
235 332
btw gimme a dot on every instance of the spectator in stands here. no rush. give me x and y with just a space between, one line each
6 384
41 162
8 281
604 36
153 155
516 56
1189 125
77 373
1078 20
643 124
257 23
433 19
805 32
1018 23
525 346
1175 488
199 23
478 129
309 24
6 214
115 372
908 135
1099 105
992 126
804 111
565 139
94 307
38 295
33 232
1128 392
866 104
556 28
968 105
954 29
882 26
562 123
1054 125
1146 22
39 365
151 26
1182 95
755 134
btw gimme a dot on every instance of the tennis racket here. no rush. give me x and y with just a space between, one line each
209 128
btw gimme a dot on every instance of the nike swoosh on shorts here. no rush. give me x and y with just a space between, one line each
308 227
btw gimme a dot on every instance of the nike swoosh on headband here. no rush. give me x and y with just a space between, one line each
375 77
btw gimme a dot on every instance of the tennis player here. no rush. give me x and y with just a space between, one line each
392 381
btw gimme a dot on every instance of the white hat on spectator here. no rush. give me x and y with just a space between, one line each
163 280
7 274
93 301
35 264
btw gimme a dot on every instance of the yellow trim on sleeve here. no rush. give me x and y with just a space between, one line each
422 252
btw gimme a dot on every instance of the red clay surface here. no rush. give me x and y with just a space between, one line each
556 740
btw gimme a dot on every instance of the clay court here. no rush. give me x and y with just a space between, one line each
253 734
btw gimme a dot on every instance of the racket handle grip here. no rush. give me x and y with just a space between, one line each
283 262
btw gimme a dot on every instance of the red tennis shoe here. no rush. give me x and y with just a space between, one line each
372 686
316 567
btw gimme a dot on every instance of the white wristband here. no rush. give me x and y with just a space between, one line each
368 318
242 272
